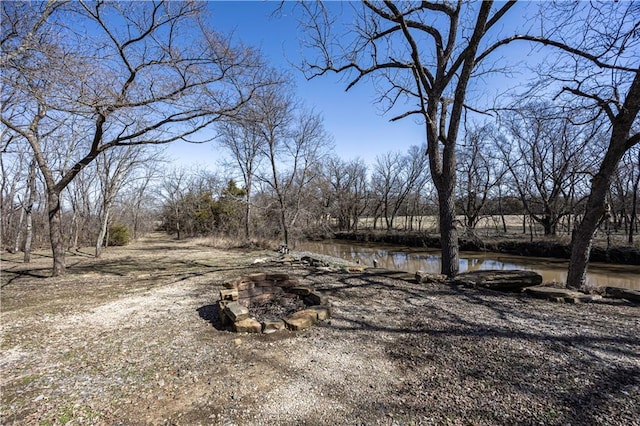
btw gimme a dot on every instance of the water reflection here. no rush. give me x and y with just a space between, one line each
411 260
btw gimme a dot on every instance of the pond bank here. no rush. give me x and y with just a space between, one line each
624 255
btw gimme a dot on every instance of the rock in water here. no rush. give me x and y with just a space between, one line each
499 280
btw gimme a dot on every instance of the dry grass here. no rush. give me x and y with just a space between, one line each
490 228
227 243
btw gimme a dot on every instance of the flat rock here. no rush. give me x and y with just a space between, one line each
323 312
245 285
236 312
301 320
499 280
247 325
258 276
271 326
550 292
263 283
314 298
623 293
562 295
277 277
424 277
553 293
229 294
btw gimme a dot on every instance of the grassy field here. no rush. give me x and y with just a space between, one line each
491 228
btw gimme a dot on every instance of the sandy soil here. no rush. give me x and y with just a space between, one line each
131 339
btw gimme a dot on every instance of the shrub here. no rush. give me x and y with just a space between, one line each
119 235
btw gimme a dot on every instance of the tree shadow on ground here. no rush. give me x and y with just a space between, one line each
18 274
594 370
562 361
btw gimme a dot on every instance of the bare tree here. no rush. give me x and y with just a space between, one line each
150 74
548 156
272 117
347 191
115 168
13 161
172 189
241 137
596 69
82 195
386 180
293 142
425 53
359 193
624 193
395 177
138 200
478 172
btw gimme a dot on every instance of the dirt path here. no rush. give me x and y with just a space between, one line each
127 340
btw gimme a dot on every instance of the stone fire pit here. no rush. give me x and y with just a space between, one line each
266 303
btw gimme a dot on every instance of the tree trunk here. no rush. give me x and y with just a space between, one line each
582 237
504 222
634 212
18 240
247 210
55 232
31 198
448 232
28 237
247 215
595 208
75 225
549 225
283 220
103 231
634 203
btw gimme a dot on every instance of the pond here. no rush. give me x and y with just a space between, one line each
411 259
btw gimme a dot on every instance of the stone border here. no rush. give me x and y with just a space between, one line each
237 297
528 282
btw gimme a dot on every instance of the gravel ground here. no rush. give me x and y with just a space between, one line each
130 339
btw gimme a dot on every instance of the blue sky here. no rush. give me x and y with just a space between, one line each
352 118
355 121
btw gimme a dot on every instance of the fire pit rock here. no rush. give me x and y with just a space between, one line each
270 302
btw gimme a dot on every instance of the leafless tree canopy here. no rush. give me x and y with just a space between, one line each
85 77
421 56
89 87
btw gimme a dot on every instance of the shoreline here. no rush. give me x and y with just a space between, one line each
622 255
